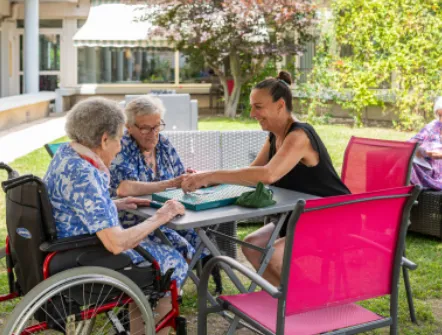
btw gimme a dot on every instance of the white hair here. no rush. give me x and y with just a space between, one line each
89 119
437 106
144 105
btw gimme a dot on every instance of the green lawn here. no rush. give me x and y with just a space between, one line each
426 280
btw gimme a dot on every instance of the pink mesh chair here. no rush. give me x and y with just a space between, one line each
339 251
372 164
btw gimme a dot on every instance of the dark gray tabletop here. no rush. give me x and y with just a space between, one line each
285 201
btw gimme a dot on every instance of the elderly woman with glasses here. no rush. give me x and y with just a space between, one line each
148 163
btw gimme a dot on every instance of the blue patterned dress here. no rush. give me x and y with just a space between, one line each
130 164
79 194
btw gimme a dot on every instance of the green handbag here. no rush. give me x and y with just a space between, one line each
259 198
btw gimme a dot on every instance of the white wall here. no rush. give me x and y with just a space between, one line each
9 59
5 8
52 10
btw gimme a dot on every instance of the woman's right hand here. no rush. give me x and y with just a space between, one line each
436 154
176 182
170 209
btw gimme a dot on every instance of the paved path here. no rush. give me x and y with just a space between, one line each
21 140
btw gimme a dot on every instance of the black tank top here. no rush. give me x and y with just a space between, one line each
322 179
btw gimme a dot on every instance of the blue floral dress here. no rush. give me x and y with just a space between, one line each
79 194
130 164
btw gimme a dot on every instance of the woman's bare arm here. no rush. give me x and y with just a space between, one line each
117 239
295 147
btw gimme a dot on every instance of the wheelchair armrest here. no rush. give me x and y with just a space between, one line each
408 264
68 243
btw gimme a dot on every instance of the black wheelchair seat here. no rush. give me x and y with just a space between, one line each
144 277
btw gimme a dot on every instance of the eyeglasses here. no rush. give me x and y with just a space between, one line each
147 130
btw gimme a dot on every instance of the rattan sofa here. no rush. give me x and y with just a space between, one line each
426 217
215 150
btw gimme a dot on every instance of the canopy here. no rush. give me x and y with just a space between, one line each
119 25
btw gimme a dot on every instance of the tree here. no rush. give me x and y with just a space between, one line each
399 38
243 33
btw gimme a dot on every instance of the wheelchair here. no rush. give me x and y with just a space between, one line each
74 285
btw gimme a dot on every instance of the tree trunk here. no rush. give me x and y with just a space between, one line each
231 102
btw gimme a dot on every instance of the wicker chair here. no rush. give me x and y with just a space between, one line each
215 150
426 217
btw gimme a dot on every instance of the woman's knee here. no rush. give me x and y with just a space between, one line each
251 254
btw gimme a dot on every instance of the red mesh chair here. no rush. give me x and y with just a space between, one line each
339 251
372 164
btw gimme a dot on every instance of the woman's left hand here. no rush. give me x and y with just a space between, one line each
130 203
192 182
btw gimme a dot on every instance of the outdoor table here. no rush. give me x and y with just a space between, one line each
285 202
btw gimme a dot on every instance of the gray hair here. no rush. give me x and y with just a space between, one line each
144 105
437 105
87 122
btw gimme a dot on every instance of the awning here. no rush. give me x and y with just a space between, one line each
119 25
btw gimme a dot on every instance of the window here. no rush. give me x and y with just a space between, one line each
49 52
194 70
47 83
306 62
49 61
43 23
125 65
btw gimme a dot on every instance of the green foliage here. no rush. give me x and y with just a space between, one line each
394 59
234 37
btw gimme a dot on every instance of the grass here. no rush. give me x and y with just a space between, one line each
426 252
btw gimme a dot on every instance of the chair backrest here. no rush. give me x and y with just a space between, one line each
239 148
29 223
198 150
345 249
52 148
371 164
179 114
214 150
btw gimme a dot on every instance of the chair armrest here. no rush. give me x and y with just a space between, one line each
253 276
408 264
68 243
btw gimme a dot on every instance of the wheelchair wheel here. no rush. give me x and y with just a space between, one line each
86 301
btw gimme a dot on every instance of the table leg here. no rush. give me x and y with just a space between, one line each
215 252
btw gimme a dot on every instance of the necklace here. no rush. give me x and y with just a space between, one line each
289 123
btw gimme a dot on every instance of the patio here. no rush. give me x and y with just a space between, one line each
426 252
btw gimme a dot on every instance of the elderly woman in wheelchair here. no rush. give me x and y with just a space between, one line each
77 184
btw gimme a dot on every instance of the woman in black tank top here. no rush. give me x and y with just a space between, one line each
293 157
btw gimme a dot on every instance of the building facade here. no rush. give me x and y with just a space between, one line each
92 65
